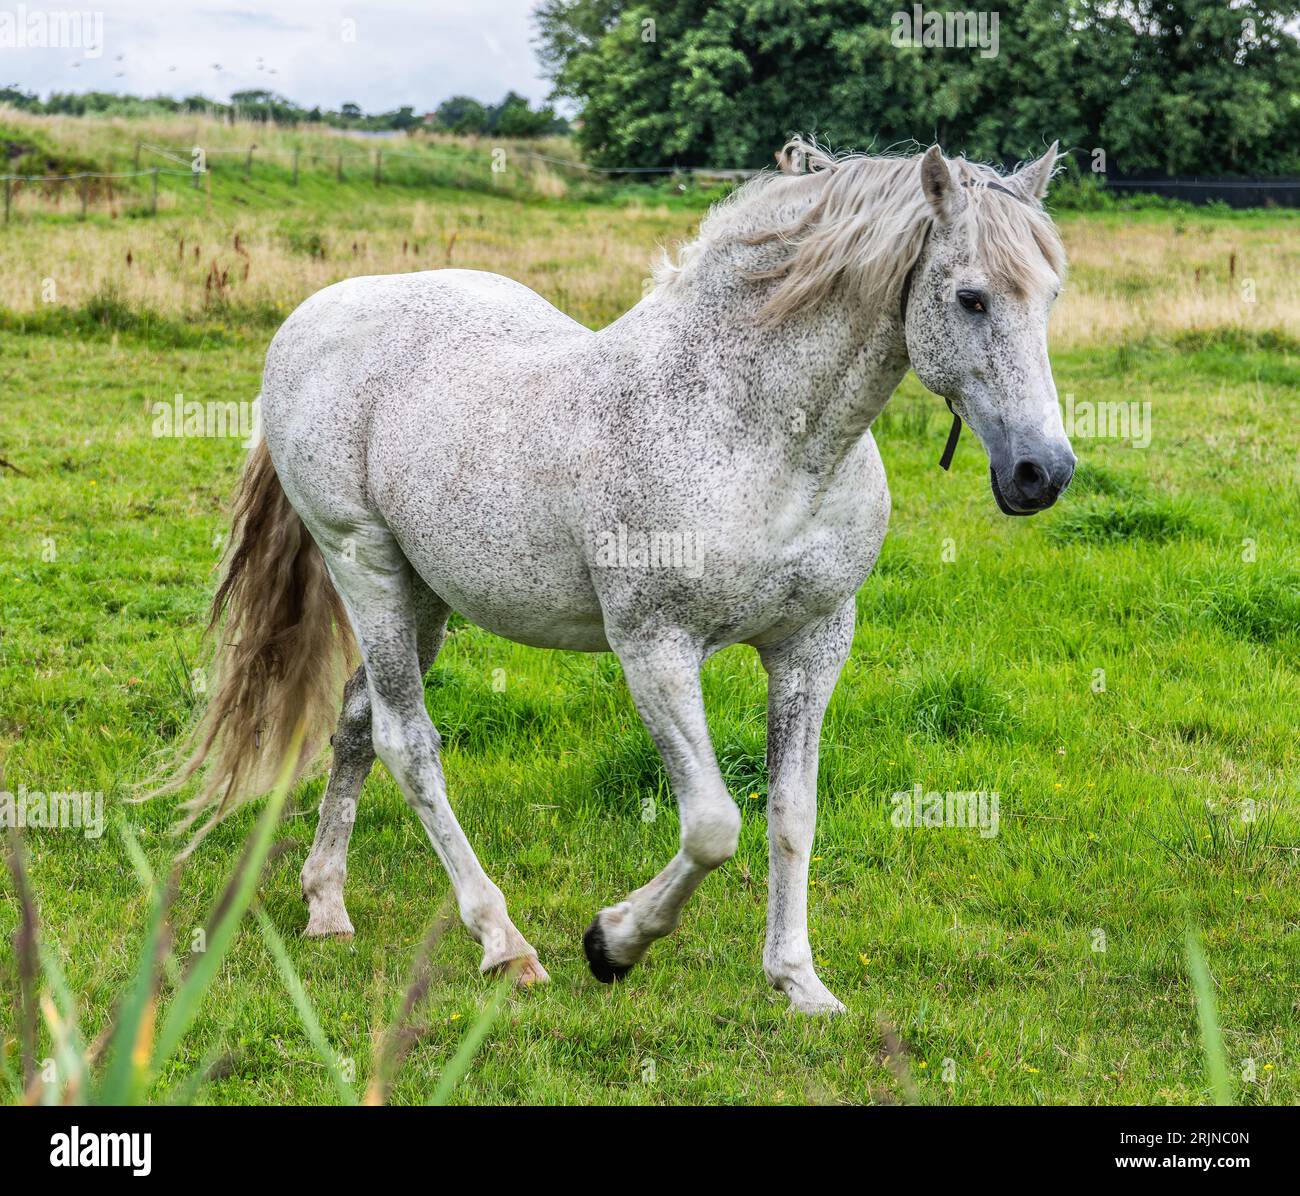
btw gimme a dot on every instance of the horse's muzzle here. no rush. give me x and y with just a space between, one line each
1032 484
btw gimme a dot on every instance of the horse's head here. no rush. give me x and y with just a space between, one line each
976 314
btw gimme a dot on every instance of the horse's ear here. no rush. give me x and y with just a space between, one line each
939 186
1032 180
792 157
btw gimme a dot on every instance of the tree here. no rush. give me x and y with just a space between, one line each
1210 88
1170 85
462 114
263 105
512 117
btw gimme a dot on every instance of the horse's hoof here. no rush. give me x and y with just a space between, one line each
527 972
328 924
818 1006
602 967
525 968
812 997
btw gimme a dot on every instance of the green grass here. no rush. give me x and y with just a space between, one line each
1119 804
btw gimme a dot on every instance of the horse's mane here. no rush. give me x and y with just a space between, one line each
831 216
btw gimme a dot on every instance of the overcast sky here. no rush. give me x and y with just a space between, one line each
395 52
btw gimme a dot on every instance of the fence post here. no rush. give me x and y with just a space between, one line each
85 195
137 156
295 168
379 166
339 171
9 185
248 162
153 202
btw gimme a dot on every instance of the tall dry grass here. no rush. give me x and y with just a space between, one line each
111 140
590 262
1175 274
1126 281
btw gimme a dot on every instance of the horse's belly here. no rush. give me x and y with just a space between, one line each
523 579
547 617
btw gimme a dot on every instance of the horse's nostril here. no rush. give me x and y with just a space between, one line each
1031 479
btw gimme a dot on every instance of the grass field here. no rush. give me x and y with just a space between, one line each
1122 670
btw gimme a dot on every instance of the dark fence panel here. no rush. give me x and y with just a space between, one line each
1236 193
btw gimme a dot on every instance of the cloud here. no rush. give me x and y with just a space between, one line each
379 55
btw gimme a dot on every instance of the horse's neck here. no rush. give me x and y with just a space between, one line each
850 389
814 383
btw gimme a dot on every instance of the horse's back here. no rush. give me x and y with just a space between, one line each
393 346
438 310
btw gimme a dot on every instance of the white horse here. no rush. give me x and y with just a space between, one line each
448 441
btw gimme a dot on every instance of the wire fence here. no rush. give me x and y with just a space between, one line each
84 191
1236 193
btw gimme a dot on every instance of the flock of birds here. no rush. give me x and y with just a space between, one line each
216 66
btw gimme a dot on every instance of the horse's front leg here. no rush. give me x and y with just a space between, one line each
663 674
802 671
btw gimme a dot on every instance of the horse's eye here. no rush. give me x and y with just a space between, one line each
971 300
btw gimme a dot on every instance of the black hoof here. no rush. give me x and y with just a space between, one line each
602 967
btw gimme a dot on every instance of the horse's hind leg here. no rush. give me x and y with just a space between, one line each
325 871
379 589
326 868
663 674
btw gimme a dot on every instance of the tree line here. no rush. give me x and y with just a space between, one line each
1163 86
512 117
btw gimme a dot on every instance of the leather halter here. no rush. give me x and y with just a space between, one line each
954 433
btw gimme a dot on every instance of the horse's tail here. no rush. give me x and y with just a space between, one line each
283 654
